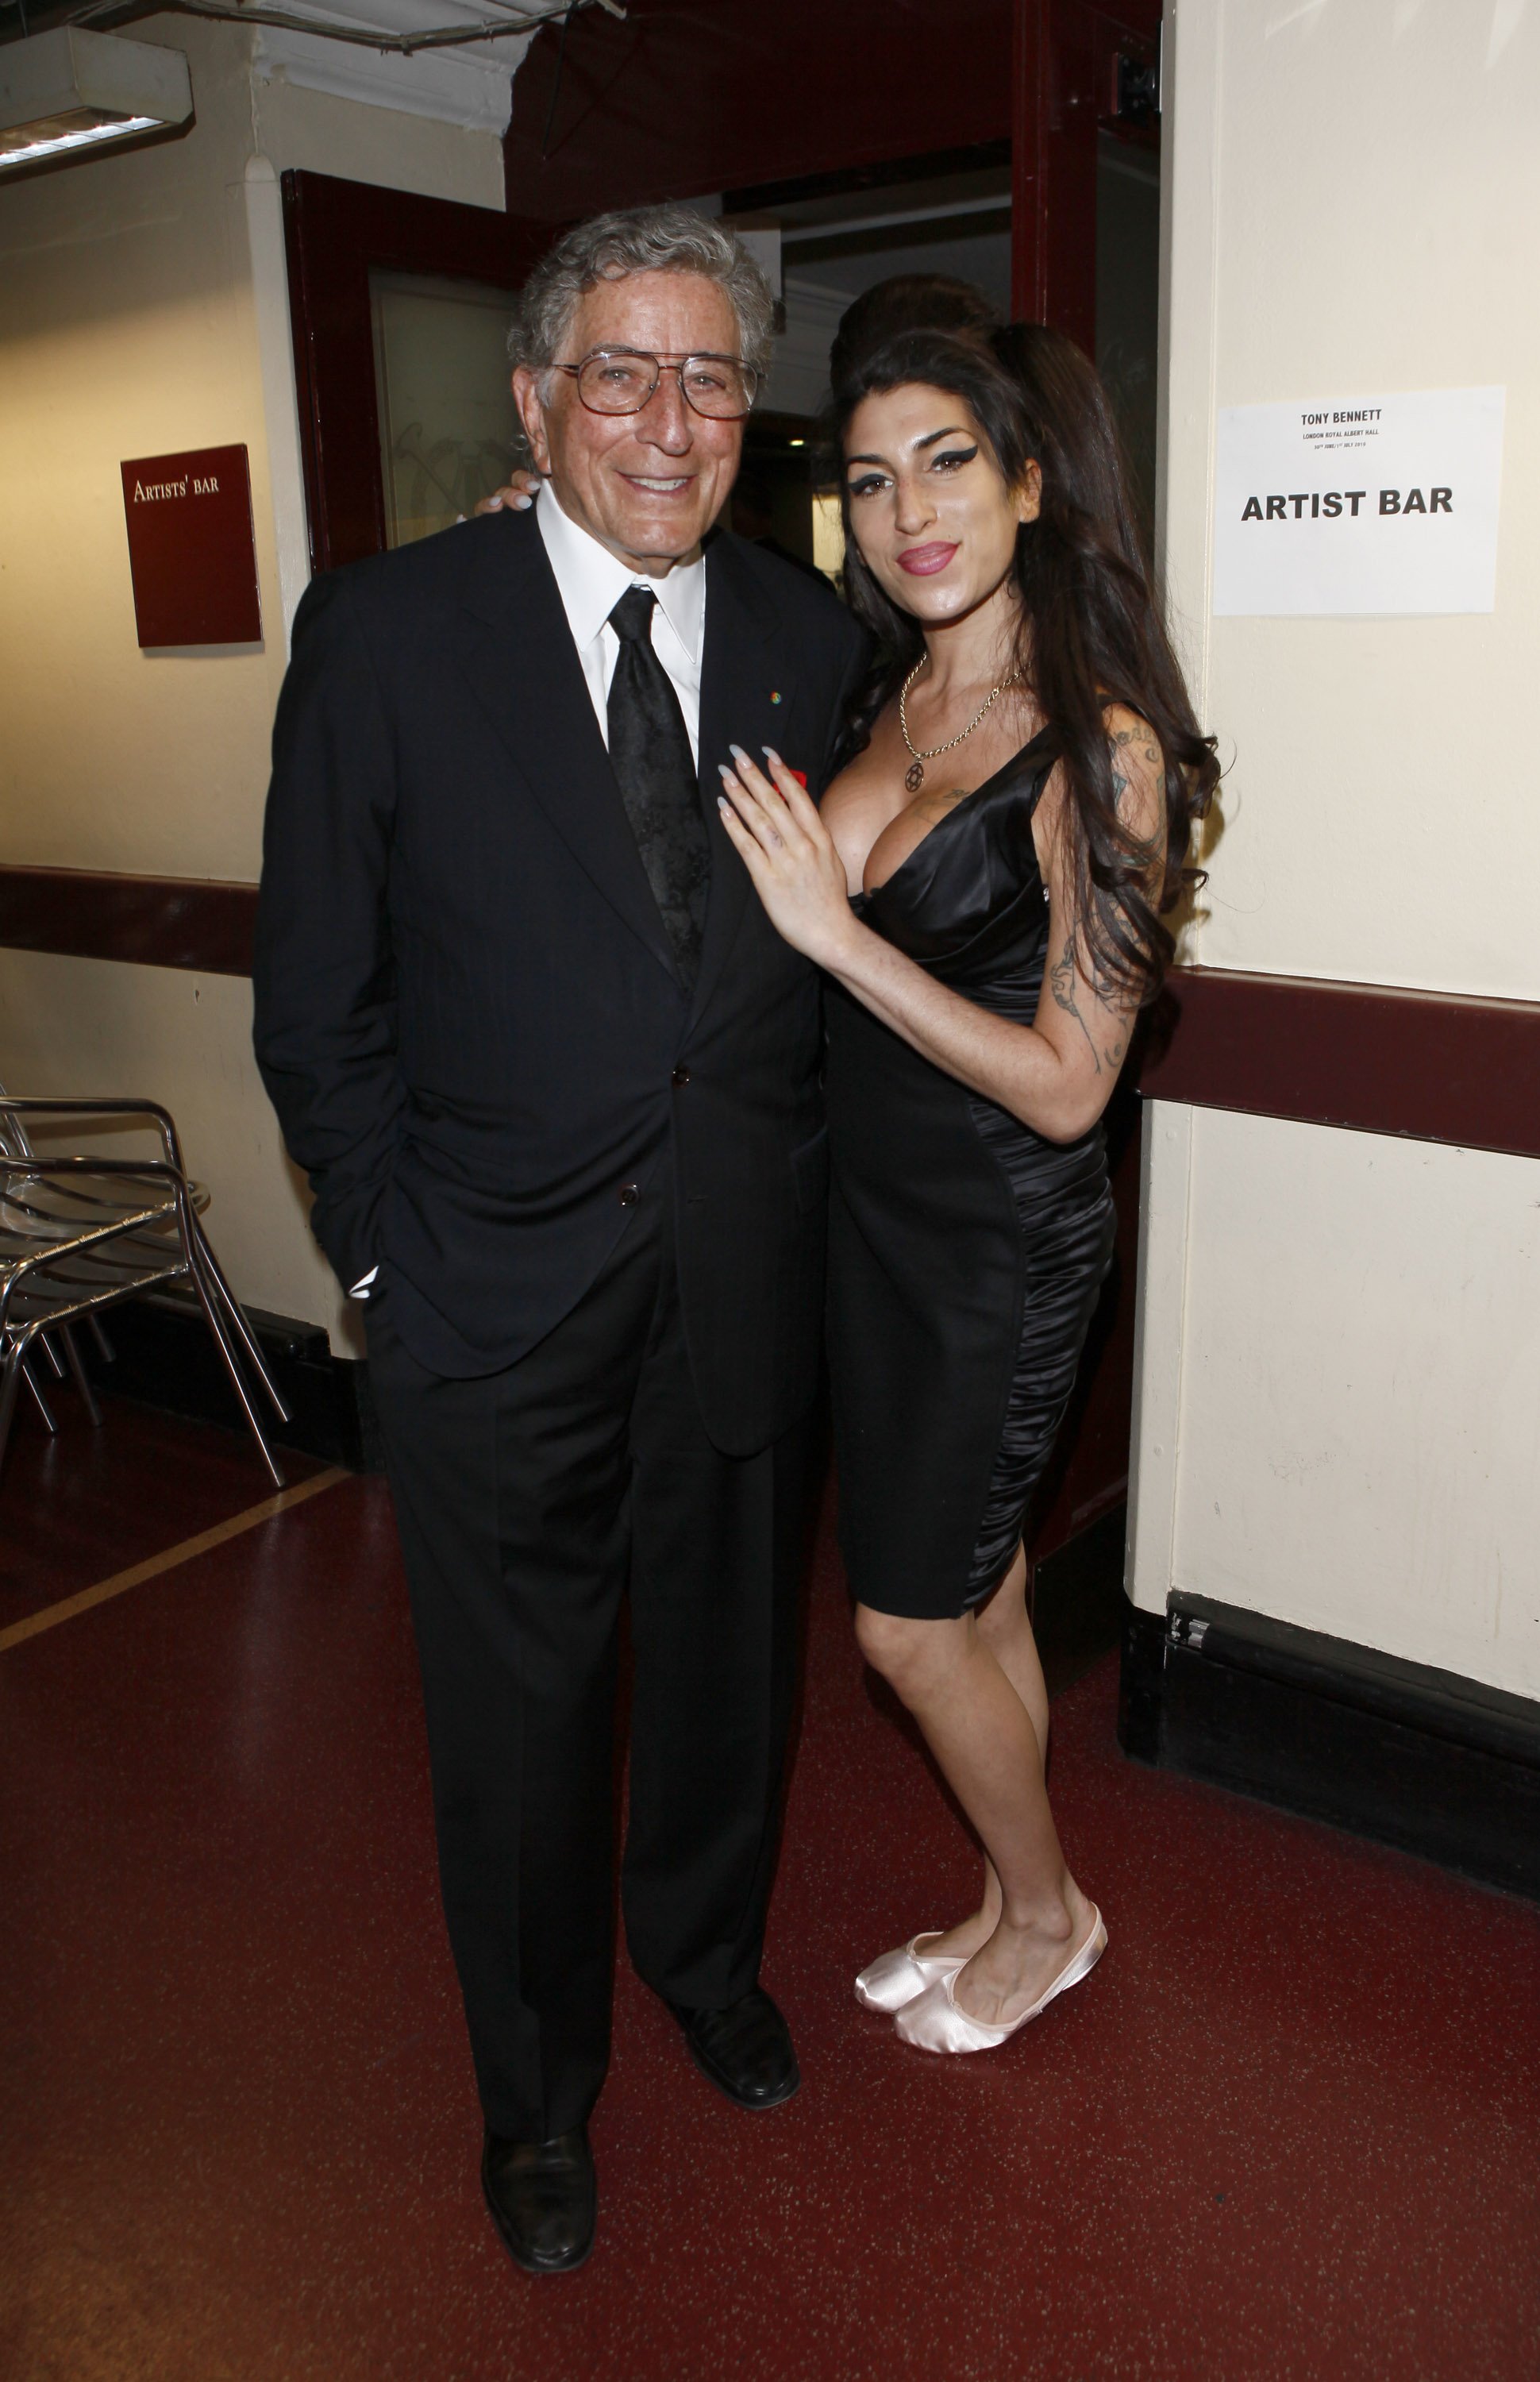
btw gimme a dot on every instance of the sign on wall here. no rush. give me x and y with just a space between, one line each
1359 504
190 547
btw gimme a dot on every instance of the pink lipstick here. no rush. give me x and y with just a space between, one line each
924 562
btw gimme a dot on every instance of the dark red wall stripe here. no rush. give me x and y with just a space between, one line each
180 922
1434 1066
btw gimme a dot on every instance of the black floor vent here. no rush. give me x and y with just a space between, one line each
1417 1758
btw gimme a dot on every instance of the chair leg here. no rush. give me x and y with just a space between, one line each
223 1342
55 1364
81 1378
10 1382
38 1399
104 1348
218 1285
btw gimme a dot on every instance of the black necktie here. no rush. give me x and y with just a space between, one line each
649 749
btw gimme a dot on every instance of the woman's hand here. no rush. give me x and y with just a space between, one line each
518 496
789 853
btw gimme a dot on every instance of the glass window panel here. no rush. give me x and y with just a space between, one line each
448 431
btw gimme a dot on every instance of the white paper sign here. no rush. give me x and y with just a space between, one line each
1359 504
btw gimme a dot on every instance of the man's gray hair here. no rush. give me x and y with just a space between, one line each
666 239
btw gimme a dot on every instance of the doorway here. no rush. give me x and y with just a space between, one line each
826 246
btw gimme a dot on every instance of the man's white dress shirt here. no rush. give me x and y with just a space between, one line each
590 582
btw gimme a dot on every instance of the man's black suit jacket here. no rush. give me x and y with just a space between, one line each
468 1014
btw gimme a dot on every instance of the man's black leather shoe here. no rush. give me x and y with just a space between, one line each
745 2049
544 2200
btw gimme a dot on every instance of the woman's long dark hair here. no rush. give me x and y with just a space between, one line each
1089 632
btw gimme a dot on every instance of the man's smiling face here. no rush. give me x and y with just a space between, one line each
648 485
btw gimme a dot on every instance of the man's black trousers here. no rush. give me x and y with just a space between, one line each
528 1503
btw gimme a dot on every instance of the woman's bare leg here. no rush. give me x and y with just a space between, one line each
1004 1624
988 1730
1005 1628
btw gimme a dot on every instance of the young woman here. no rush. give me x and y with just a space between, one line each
983 887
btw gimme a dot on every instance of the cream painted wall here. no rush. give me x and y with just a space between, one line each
312 131
144 312
1358 1389
1354 196
128 331
1338 1401
128 328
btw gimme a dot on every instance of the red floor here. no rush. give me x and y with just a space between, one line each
89 1503
1290 2128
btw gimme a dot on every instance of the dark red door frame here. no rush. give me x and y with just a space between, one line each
1065 90
337 234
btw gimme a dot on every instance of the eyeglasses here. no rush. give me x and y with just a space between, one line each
622 380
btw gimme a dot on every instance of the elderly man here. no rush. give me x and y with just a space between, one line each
555 1079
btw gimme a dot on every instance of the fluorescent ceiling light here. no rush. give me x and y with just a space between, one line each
71 90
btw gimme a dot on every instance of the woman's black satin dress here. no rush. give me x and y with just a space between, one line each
966 1253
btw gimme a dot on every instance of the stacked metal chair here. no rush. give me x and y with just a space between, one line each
79 1233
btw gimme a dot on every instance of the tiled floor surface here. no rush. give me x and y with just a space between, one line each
1288 2132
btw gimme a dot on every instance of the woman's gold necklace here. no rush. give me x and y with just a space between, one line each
915 776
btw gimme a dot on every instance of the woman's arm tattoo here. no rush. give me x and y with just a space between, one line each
1062 974
1061 982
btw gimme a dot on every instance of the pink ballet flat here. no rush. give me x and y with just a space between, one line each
901 1977
934 2022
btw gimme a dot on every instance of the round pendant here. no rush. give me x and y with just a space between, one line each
915 776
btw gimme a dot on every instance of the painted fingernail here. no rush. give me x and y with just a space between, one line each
771 753
723 804
494 504
521 504
737 752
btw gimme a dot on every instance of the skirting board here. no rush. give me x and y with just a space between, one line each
1416 1758
164 1355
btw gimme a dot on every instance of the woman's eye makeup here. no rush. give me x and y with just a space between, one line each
952 459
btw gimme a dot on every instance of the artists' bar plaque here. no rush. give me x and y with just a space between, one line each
190 547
